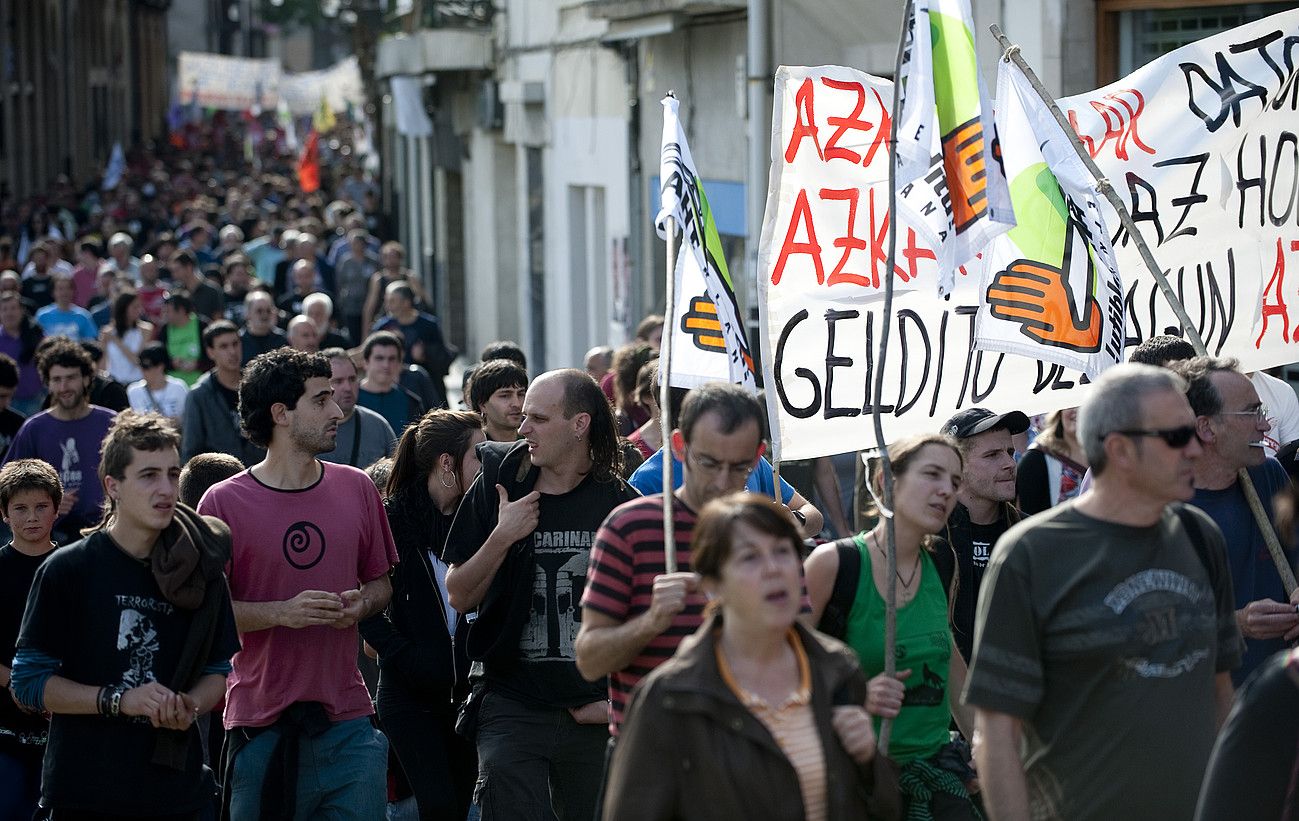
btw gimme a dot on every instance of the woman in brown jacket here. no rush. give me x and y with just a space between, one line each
755 717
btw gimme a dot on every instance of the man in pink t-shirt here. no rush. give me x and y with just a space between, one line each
310 556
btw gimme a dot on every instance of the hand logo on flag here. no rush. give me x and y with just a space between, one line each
1037 296
701 322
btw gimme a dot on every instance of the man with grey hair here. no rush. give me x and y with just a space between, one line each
120 246
320 308
1106 630
260 332
1231 423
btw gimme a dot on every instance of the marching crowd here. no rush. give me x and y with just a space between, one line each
247 490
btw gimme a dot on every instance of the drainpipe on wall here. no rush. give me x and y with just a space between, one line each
759 105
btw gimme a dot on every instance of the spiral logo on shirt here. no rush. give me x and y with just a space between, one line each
304 545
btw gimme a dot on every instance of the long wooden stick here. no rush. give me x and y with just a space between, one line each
1103 185
886 316
665 401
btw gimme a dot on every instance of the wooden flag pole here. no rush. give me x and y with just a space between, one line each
665 401
886 490
1011 53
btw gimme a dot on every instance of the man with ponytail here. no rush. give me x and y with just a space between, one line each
518 552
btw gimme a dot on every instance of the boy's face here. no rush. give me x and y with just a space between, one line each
6 396
30 515
146 494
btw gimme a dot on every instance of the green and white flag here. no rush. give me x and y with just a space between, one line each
1051 284
708 339
944 103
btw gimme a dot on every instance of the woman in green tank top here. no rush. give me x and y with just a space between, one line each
924 696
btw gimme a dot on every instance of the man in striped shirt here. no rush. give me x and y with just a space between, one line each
633 614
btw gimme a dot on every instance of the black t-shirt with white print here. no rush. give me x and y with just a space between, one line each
100 612
545 674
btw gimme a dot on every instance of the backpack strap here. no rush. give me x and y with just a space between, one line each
1196 534
944 558
834 619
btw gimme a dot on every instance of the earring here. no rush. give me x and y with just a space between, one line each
448 485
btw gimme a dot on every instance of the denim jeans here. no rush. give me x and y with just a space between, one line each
342 774
532 759
20 786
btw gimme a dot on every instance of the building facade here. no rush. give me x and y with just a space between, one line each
78 76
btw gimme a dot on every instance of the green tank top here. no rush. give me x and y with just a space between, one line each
924 646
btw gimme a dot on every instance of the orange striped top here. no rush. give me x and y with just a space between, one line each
793 726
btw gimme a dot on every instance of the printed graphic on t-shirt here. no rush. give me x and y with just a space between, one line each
980 552
138 638
1155 608
68 475
561 557
304 545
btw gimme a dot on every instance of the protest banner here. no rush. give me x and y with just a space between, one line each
1200 142
227 83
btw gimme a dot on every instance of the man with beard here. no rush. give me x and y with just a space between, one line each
518 552
310 555
985 506
363 435
1231 424
68 435
633 613
496 392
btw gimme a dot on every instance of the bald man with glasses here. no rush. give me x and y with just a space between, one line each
1106 628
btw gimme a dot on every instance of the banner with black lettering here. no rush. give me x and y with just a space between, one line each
1202 144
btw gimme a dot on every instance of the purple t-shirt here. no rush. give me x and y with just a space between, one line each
72 448
29 380
331 536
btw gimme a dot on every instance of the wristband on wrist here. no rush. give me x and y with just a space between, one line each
115 702
102 701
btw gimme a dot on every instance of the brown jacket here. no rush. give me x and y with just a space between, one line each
690 750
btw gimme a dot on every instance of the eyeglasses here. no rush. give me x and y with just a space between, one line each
1176 438
1259 415
710 466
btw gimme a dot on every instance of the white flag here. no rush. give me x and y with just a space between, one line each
1051 285
708 340
943 99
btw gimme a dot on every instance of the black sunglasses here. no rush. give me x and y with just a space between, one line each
1176 438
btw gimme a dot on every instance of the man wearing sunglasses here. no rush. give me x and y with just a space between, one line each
1232 425
1106 629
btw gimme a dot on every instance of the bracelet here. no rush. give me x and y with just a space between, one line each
115 702
102 701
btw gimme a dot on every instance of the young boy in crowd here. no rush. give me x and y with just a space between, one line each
29 499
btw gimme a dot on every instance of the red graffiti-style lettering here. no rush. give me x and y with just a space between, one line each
848 242
1275 289
881 133
802 214
834 151
804 123
912 253
1120 111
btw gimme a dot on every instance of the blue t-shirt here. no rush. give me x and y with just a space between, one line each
1253 574
648 478
74 323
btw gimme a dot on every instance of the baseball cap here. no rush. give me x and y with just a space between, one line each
973 421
